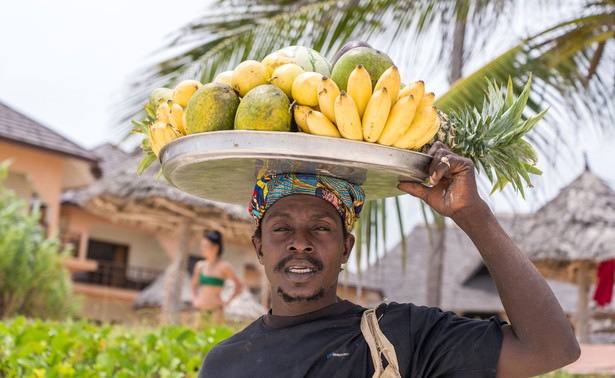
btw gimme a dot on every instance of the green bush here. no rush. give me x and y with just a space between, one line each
78 348
33 281
35 348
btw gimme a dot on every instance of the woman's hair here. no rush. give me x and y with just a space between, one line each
216 238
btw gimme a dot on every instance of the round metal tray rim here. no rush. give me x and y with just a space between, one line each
196 163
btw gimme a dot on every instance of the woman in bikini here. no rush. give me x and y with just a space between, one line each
209 276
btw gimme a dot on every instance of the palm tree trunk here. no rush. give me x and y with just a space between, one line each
435 265
457 53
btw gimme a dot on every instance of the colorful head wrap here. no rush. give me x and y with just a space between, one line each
347 198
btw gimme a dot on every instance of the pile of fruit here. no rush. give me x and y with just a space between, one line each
358 95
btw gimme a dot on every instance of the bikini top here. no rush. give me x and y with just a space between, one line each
210 281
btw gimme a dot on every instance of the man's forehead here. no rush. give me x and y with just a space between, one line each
303 204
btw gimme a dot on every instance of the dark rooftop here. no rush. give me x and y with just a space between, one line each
19 128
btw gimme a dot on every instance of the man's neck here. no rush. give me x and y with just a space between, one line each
279 307
275 321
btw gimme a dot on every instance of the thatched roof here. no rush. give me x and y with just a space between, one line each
578 224
152 295
466 287
150 202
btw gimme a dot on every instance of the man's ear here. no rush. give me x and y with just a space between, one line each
258 248
348 244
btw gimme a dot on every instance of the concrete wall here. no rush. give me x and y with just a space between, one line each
36 172
144 248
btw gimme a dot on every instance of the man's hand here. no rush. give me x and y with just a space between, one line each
453 183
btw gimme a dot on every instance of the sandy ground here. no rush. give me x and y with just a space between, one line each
595 359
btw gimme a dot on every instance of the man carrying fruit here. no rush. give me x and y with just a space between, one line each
303 237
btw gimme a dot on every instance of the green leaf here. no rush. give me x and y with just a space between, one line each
146 162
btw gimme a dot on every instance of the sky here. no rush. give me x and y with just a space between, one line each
64 64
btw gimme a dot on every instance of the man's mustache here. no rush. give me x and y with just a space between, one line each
311 259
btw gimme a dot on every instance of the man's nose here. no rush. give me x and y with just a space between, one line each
301 242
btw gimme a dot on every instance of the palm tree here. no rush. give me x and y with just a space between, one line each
453 45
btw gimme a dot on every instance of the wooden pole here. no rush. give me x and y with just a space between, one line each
583 302
175 278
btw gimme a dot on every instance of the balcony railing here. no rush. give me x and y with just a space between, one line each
110 274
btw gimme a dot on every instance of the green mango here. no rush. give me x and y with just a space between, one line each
374 61
212 107
266 108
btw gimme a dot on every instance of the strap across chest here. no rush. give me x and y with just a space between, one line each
379 346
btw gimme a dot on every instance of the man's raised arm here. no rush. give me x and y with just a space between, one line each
539 338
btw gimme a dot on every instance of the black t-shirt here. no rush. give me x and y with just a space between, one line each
329 343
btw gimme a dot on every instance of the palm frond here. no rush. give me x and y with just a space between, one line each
559 60
234 32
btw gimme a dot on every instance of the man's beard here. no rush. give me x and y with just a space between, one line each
289 299
302 298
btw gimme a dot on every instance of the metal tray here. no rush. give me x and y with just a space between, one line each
223 165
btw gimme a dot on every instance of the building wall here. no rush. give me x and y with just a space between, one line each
106 304
36 172
20 184
145 249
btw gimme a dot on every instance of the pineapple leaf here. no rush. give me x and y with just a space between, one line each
493 138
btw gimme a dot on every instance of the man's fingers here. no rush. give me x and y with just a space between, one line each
439 167
435 147
414 189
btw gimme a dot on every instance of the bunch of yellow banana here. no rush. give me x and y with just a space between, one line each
390 114
170 114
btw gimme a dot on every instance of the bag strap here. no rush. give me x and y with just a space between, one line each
379 346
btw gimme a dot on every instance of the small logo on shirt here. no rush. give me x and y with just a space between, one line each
334 354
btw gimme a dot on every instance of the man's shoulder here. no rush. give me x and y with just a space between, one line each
394 313
406 307
388 307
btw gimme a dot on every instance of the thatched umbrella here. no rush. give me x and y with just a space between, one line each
568 236
149 202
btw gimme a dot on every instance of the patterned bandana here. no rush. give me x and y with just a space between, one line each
347 198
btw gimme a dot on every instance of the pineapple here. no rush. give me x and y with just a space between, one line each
447 133
493 138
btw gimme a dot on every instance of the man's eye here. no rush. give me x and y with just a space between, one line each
322 228
281 229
